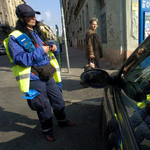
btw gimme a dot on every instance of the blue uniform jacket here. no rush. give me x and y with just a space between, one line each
23 58
144 115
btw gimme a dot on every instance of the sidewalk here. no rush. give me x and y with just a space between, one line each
73 92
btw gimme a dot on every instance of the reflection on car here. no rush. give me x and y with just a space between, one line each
125 110
140 121
52 41
93 78
2 49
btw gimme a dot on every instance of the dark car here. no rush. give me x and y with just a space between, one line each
125 110
2 49
52 41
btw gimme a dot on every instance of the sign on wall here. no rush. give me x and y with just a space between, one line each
144 19
145 4
135 6
147 24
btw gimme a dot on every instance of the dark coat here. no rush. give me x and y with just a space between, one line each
136 121
93 45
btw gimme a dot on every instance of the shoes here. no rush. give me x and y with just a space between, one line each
50 136
65 123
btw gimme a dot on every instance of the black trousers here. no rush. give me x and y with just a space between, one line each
51 97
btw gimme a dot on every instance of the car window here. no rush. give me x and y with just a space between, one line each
135 82
51 41
1 45
136 74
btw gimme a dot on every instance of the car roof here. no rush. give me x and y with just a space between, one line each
52 41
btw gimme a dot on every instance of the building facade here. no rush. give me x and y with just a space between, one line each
118 26
7 16
8 19
47 31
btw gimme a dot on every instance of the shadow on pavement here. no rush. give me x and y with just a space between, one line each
22 133
20 128
71 85
5 62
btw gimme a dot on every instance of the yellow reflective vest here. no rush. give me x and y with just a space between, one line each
22 74
54 63
143 104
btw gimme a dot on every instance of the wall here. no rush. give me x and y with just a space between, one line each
132 26
122 30
112 51
7 17
118 27
82 21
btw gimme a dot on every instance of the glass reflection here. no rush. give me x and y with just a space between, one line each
135 76
133 59
95 78
114 140
135 82
140 121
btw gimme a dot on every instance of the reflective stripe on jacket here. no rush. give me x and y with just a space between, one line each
55 64
143 104
22 74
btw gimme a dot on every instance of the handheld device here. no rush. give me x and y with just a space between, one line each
26 42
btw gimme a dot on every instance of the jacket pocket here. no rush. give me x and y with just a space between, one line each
37 103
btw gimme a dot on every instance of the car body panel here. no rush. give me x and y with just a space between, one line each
113 109
2 49
52 41
120 101
126 102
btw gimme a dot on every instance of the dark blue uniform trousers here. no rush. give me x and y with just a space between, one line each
50 98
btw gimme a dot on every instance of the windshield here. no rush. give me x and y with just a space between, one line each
135 74
135 82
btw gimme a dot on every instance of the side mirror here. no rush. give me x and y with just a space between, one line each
95 78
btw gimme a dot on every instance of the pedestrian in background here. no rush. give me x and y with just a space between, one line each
27 51
93 51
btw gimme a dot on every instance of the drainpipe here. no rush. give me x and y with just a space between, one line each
64 31
123 29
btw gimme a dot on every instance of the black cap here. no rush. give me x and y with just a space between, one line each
25 10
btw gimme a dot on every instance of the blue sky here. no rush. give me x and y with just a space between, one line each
50 12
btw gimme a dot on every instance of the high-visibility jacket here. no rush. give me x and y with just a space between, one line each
143 104
22 74
54 63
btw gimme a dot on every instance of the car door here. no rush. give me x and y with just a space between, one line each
130 101
125 110
114 122
115 125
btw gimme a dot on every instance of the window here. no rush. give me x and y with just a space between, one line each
80 22
102 4
135 83
87 17
103 28
83 20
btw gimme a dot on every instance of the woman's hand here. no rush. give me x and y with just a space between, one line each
125 69
53 48
92 56
46 49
